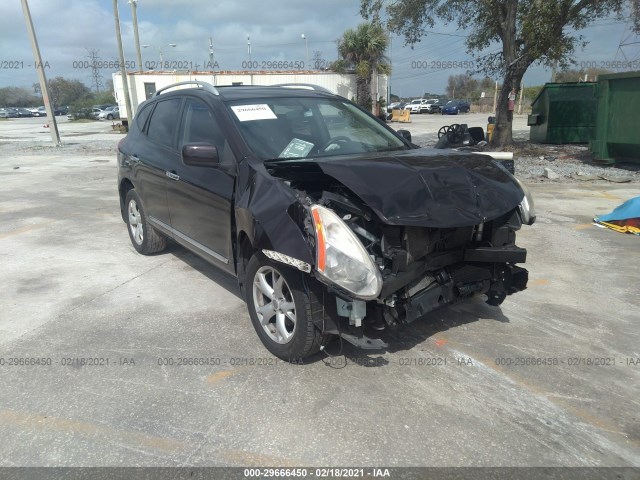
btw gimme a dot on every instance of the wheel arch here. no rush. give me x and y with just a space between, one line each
123 189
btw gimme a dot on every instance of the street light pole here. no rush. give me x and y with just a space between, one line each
249 51
160 52
134 15
306 43
53 126
123 70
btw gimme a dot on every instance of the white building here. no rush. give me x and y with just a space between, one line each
142 85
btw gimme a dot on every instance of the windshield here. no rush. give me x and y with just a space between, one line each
310 127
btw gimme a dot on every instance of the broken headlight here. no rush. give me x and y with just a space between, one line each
526 208
341 258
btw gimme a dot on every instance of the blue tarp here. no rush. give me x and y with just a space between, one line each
629 209
625 218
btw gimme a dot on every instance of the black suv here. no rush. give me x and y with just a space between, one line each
333 223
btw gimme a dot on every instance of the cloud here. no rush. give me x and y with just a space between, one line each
67 28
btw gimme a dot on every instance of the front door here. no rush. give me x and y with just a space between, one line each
200 198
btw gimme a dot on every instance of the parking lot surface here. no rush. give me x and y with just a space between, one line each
109 358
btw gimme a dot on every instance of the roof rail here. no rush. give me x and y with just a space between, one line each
204 85
304 86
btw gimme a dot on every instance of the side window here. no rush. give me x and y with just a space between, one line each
199 125
142 115
162 126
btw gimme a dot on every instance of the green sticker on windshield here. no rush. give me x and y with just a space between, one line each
296 149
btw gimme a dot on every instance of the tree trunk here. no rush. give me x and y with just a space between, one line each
363 92
515 66
503 133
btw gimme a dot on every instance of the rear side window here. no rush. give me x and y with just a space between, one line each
142 115
163 123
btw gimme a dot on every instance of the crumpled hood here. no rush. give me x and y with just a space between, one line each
425 187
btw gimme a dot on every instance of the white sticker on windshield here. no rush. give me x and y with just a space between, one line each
247 113
296 149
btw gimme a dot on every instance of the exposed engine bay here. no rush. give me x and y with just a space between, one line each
422 268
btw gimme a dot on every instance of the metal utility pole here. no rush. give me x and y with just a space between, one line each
53 125
123 70
389 76
134 15
306 43
249 50
211 53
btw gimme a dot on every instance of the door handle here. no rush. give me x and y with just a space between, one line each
172 175
134 158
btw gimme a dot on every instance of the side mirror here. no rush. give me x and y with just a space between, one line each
200 155
406 134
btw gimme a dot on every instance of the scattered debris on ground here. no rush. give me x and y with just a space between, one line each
539 163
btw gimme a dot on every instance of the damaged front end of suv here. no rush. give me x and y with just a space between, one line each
332 222
392 237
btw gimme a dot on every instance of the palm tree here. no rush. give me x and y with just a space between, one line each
363 50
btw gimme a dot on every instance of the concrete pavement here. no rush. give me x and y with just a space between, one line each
92 335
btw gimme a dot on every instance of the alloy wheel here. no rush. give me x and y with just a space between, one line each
135 222
274 305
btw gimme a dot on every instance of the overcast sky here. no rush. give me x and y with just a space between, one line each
66 29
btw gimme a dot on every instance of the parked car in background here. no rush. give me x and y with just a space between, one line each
95 113
415 105
110 113
60 110
4 113
396 106
13 112
453 107
24 112
295 191
431 106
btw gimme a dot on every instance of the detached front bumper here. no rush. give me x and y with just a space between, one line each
496 282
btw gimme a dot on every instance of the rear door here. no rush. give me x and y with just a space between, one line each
200 198
155 155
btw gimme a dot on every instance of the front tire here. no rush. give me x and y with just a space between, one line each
283 309
145 239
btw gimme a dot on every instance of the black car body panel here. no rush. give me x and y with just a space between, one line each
263 214
439 225
423 188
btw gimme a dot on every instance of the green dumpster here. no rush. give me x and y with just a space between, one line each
616 135
563 113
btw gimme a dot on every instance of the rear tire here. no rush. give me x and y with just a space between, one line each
283 309
145 239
